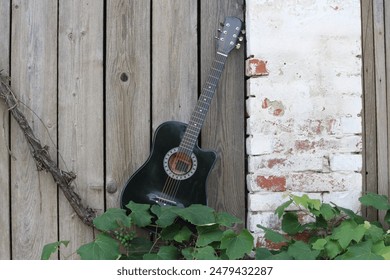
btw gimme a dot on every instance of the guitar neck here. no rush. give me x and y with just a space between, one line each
199 114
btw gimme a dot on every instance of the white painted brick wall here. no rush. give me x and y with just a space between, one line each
304 102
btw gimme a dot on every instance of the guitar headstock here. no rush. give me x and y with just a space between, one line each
229 35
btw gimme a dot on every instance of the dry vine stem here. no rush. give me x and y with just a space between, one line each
42 158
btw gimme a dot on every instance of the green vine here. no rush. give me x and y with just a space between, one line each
195 232
199 232
334 232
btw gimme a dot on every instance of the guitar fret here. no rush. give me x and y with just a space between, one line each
199 114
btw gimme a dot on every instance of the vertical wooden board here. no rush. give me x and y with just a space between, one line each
370 171
127 92
224 127
34 73
5 240
80 116
174 54
387 57
381 98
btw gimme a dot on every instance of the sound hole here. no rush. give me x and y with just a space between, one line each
180 163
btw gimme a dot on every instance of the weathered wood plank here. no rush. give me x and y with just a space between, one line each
5 240
174 54
33 72
224 127
387 57
381 98
127 92
370 170
80 111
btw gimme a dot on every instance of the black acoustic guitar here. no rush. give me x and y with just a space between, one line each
176 171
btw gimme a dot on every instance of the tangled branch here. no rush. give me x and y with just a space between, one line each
42 158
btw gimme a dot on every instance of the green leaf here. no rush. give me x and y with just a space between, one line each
319 244
301 251
387 217
360 251
208 234
281 256
168 253
306 202
262 254
377 201
327 211
168 233
51 248
205 253
102 248
183 235
347 231
197 214
140 213
374 232
290 223
380 249
227 220
164 253
188 253
237 245
138 247
272 235
332 248
112 219
281 208
151 256
165 215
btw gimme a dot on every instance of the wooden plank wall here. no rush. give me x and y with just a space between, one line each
34 73
5 252
376 71
100 76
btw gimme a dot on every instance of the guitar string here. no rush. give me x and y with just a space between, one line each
182 154
172 185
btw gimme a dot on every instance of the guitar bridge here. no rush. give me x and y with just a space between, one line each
163 200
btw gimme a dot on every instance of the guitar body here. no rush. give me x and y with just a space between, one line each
169 177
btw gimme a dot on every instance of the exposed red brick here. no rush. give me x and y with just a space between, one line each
316 126
275 107
276 161
330 125
272 183
303 236
265 104
262 242
306 145
256 67
303 145
278 112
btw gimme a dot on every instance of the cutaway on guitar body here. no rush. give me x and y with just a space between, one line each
161 180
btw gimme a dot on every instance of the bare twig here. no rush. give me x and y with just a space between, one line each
40 153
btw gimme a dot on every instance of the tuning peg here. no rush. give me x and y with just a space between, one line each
243 31
219 30
221 24
216 38
238 46
240 38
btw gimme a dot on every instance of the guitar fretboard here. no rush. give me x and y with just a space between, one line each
199 114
